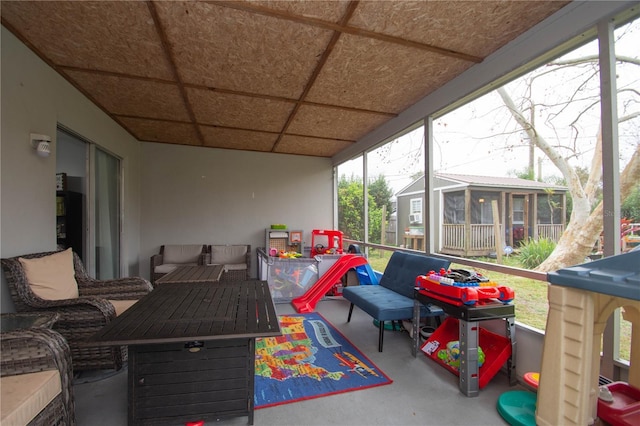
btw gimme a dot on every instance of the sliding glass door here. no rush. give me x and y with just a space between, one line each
107 215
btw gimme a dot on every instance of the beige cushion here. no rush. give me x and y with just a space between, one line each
227 255
52 277
235 267
122 305
23 396
182 253
165 268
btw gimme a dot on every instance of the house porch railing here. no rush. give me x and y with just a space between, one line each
481 240
550 231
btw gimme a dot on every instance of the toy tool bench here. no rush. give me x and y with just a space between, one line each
467 303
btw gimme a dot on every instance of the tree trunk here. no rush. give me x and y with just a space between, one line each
578 239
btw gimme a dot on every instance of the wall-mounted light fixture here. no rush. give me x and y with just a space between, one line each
41 143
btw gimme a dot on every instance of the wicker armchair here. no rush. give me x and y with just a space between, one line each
79 318
236 260
35 350
173 255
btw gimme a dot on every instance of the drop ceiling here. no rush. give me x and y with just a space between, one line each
295 77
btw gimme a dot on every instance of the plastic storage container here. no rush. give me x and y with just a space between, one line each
625 407
287 278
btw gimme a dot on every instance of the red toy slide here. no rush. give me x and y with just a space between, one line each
307 302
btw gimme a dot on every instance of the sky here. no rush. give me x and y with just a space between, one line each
480 138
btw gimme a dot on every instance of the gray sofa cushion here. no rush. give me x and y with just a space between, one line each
229 254
165 268
182 253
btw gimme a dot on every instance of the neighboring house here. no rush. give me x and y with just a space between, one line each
464 225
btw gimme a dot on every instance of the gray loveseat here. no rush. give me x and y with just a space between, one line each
392 299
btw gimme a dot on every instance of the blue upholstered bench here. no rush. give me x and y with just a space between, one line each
392 299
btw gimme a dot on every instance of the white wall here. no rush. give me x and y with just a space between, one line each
34 100
194 195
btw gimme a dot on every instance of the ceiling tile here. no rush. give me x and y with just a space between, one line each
336 123
161 131
127 96
110 36
381 76
235 50
303 145
245 112
473 27
217 137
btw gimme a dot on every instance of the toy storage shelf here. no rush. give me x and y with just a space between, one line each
469 336
496 348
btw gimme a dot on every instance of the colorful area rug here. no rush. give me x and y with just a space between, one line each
310 360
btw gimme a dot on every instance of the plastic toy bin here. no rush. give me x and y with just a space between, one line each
496 348
287 278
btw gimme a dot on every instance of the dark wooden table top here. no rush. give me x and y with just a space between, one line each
195 311
193 274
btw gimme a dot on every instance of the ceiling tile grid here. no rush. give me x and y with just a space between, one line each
236 110
295 77
133 97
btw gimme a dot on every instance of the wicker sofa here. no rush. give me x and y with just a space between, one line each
236 259
36 384
97 303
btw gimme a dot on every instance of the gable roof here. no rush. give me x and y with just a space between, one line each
494 181
482 181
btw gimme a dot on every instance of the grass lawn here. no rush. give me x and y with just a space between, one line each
531 295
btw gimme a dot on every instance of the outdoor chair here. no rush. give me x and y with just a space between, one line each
173 255
58 282
35 365
236 260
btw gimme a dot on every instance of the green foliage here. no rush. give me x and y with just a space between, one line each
525 173
351 207
534 252
375 222
630 208
381 193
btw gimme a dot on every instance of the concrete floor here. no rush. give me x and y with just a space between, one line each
422 392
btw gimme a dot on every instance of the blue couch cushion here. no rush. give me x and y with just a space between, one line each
403 269
379 302
384 304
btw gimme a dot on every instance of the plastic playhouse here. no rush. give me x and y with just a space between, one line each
326 242
581 299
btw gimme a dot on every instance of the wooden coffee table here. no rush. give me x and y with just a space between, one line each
192 350
192 274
